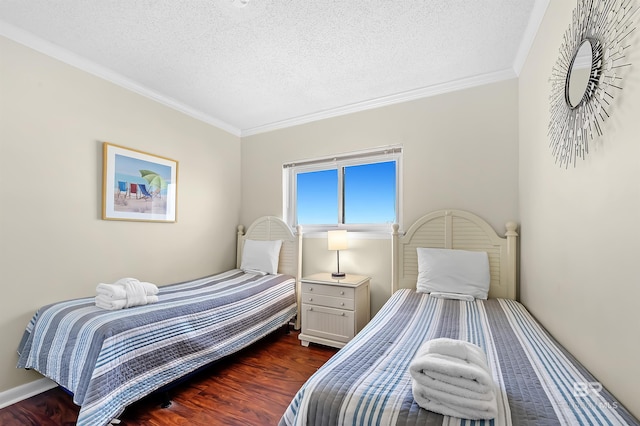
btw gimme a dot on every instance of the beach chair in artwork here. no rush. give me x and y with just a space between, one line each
133 190
143 190
122 189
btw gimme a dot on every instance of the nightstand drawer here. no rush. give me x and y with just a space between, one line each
329 301
327 290
328 323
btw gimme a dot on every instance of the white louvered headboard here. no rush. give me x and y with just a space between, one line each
457 229
269 228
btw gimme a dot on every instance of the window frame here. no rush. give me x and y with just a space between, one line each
339 162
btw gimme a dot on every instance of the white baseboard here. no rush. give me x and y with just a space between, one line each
25 391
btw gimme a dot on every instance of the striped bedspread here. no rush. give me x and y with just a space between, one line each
367 382
110 359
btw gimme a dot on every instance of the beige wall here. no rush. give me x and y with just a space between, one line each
53 243
580 230
460 151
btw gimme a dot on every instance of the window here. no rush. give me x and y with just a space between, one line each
359 191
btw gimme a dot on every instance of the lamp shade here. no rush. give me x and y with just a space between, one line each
337 240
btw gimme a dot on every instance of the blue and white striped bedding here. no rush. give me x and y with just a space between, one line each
367 382
110 359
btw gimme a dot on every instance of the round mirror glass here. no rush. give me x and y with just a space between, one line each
578 75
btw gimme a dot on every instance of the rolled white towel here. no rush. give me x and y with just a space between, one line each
111 291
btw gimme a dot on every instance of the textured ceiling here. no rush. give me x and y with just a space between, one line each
269 64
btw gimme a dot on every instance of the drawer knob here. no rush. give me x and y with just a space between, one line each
310 288
311 299
342 304
311 309
342 293
343 314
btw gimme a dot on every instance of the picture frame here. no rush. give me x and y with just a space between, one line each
138 186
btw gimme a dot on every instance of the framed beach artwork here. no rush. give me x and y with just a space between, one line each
138 185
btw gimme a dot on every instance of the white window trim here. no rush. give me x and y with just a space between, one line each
289 171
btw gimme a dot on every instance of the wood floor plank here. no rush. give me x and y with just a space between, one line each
252 387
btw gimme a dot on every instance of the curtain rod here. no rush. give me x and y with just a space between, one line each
343 157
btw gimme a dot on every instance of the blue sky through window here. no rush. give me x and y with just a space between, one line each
317 196
369 195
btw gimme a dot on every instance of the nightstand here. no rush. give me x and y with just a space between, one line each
333 310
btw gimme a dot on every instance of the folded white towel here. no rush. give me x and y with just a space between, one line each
461 407
115 304
452 377
111 291
454 348
125 293
453 371
150 288
136 294
109 303
440 384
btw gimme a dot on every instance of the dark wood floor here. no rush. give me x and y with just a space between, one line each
253 387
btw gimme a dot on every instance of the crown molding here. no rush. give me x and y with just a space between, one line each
424 92
43 46
52 50
537 15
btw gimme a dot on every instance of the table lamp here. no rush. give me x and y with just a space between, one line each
337 240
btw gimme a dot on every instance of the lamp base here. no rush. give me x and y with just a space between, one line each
338 275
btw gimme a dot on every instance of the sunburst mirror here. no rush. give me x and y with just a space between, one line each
587 75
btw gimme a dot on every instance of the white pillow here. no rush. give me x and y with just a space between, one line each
453 271
261 256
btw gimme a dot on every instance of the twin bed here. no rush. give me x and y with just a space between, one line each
109 359
537 382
